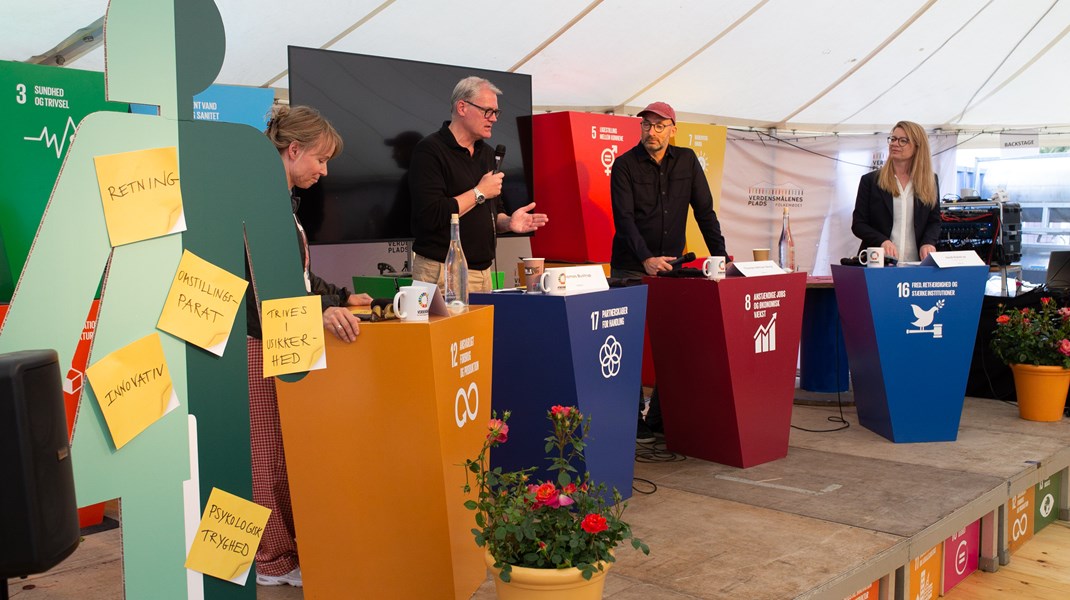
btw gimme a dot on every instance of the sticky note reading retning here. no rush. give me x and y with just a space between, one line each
141 194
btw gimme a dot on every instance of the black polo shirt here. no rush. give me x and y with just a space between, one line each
441 169
650 203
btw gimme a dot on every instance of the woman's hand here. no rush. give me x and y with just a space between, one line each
342 323
890 250
359 300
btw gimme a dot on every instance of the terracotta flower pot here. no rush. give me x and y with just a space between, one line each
1041 391
548 584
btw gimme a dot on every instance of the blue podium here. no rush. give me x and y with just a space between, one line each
910 333
584 350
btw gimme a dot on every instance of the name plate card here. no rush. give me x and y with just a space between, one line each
582 279
755 268
956 258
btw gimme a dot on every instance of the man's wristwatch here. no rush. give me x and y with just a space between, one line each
480 198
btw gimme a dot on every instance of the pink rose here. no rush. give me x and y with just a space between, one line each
1064 312
1064 347
547 494
499 431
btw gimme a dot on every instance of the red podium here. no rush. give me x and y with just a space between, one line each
572 164
725 354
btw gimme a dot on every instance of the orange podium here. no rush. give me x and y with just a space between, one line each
374 448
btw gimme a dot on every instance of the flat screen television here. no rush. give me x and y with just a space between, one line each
382 107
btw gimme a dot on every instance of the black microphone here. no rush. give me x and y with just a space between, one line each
676 262
499 154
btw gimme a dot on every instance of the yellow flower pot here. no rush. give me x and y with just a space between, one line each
548 584
1041 391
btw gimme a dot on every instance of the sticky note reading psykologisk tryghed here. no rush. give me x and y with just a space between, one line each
202 303
141 194
226 540
133 388
293 335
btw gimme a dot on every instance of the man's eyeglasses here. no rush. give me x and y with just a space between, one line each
898 141
657 127
487 112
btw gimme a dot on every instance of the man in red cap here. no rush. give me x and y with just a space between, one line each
653 185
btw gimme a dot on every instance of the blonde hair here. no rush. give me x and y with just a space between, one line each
921 168
304 125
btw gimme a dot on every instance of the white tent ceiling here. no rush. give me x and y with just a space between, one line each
808 65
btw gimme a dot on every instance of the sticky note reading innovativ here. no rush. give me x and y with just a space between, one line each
133 388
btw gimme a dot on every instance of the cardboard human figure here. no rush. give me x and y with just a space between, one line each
160 52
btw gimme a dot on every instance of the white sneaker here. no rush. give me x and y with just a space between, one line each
292 578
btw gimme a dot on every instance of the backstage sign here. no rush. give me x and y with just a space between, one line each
780 195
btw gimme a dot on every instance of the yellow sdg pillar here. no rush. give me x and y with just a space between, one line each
708 142
374 448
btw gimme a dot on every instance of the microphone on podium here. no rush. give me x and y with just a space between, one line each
676 262
499 154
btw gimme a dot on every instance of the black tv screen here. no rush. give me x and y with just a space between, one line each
382 107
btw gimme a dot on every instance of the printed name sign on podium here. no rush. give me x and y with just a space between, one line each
755 268
566 281
910 333
957 258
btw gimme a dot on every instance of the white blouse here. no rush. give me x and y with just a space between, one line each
903 222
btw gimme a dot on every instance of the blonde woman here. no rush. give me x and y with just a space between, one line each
305 141
898 205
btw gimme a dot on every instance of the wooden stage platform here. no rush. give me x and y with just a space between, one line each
842 510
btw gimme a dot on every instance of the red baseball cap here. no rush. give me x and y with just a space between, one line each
660 109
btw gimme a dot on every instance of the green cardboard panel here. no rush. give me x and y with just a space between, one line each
39 110
1048 500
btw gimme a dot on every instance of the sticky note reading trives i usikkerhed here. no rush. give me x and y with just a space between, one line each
293 335
227 537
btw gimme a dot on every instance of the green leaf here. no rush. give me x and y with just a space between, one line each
470 504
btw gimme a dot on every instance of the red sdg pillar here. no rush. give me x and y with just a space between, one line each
572 162
725 354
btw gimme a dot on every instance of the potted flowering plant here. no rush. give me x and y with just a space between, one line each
560 529
1036 345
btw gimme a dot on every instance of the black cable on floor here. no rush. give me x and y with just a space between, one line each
652 452
844 424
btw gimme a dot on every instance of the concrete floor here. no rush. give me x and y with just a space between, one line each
842 509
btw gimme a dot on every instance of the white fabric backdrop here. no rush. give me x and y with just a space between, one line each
817 177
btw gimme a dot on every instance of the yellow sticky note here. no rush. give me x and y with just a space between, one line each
202 303
228 536
141 194
133 388
293 335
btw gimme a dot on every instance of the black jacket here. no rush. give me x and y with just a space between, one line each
650 205
872 220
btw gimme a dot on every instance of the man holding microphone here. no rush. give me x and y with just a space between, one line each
454 171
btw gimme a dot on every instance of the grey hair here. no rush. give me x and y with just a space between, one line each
467 88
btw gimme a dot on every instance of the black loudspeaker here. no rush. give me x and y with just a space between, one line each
38 511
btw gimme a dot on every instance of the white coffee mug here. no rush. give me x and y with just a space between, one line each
872 257
713 267
412 303
552 282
